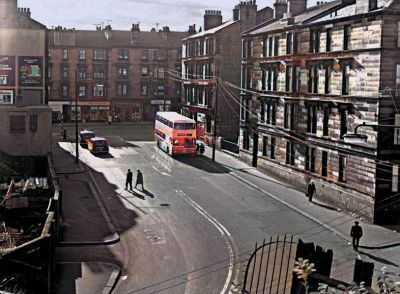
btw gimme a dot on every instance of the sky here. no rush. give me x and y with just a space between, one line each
120 14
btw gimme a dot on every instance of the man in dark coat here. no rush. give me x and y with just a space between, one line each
356 233
139 179
311 190
128 180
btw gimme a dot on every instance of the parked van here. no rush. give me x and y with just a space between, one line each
97 145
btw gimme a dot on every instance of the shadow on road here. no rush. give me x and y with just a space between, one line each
104 155
148 193
202 163
138 195
324 206
379 259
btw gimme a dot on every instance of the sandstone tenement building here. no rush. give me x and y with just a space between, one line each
312 78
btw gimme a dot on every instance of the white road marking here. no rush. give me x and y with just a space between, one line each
161 172
223 231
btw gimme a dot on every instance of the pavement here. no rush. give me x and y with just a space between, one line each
86 222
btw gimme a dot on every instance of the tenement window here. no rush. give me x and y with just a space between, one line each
290 156
296 79
288 80
272 148
276 46
329 40
312 118
82 54
313 79
123 54
343 121
270 112
144 72
122 89
65 71
99 54
324 167
82 73
82 91
346 37
342 168
314 41
345 79
143 90
122 71
64 91
65 54
99 73
310 159
289 116
98 90
325 131
289 43
328 72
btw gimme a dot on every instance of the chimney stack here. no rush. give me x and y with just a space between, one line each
135 34
192 29
107 32
212 19
296 7
247 14
24 11
281 8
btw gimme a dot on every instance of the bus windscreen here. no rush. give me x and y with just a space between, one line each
184 126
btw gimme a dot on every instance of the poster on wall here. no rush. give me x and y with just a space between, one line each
6 97
7 71
30 71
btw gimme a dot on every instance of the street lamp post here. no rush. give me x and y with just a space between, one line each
76 119
215 118
362 138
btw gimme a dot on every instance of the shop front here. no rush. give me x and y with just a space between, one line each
127 111
87 111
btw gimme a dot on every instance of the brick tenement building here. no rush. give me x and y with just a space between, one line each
25 118
215 52
314 76
112 72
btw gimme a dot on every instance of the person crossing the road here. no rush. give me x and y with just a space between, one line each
139 179
128 180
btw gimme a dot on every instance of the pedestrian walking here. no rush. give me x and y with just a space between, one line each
128 180
356 233
311 190
139 179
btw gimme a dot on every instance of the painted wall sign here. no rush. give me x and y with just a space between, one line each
7 71
30 71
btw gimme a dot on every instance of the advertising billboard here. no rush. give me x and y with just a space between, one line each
7 71
30 71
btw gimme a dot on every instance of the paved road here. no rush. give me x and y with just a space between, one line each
197 221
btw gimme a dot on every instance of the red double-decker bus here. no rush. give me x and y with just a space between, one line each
175 133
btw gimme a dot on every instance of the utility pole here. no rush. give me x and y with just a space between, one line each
76 119
215 117
164 104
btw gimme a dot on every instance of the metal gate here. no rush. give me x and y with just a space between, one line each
269 269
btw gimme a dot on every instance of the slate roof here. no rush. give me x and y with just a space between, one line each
97 39
213 30
19 21
304 17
